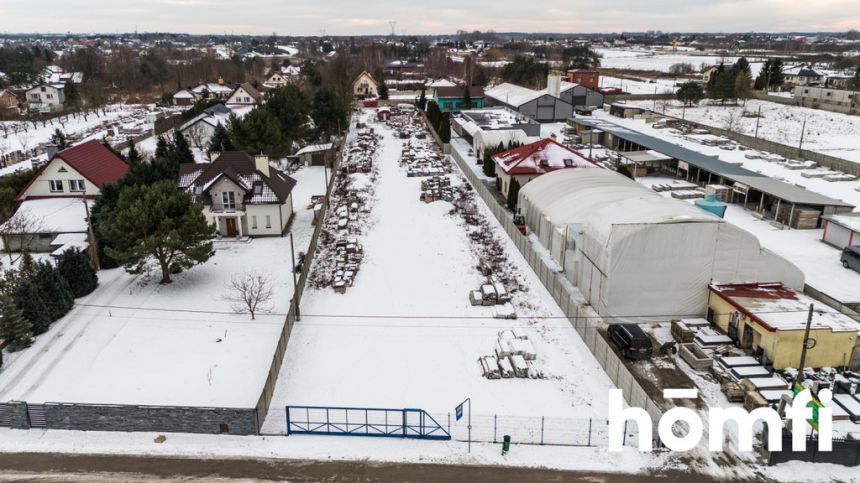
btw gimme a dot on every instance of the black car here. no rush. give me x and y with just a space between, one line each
631 339
851 258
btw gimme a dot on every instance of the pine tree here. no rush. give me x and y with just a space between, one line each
181 150
382 90
160 222
421 103
690 93
489 166
445 130
220 141
161 147
73 97
14 327
133 157
74 266
31 301
775 75
59 138
56 292
513 194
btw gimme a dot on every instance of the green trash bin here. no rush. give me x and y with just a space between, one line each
506 444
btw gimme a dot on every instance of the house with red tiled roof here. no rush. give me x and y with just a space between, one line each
52 209
74 172
241 194
527 162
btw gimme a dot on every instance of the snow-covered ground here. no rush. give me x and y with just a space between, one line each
405 334
826 132
133 341
642 59
649 86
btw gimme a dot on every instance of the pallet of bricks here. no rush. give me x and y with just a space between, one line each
436 188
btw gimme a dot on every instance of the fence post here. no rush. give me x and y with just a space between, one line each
287 410
589 431
624 436
449 423
541 430
495 426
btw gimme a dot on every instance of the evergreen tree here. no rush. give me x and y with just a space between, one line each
14 327
181 150
724 87
445 130
59 138
761 80
43 297
382 90
712 81
260 132
742 65
74 266
489 166
775 75
328 113
421 103
690 93
161 147
220 141
467 98
513 194
160 222
132 158
73 97
291 106
743 86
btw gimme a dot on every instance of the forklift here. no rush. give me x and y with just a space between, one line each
520 223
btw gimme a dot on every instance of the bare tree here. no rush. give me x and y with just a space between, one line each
733 120
24 140
19 232
250 292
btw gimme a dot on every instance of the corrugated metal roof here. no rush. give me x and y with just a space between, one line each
739 174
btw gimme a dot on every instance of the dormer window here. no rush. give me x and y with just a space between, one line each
258 189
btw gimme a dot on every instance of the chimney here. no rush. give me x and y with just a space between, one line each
262 164
553 83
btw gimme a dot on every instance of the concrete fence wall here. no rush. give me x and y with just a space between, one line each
580 315
108 417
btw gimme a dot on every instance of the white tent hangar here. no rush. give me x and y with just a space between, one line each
634 252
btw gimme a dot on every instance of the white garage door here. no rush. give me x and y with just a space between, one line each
837 235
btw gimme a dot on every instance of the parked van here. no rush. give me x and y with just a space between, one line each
404 107
851 258
631 339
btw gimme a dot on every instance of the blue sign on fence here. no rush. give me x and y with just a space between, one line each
458 411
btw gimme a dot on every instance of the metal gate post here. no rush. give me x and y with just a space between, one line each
589 431
449 423
624 436
287 409
495 426
404 423
541 430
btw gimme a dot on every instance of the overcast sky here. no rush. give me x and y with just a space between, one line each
356 17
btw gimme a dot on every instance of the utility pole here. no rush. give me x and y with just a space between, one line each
806 345
757 119
91 236
802 132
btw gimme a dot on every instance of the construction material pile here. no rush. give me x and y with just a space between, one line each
514 356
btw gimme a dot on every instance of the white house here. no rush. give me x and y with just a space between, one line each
213 89
241 194
245 94
199 129
364 86
184 97
46 98
275 80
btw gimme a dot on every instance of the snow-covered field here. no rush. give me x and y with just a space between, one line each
819 261
405 334
650 86
826 132
641 59
133 341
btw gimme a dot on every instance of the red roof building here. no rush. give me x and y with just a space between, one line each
81 170
532 160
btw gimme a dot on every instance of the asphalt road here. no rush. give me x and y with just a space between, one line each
48 467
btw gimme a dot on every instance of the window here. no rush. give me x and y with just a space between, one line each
56 184
268 221
254 222
228 199
49 96
76 185
62 170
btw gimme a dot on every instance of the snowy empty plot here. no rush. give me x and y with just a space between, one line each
826 132
176 344
641 59
405 334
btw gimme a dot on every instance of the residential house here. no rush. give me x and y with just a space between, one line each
275 80
453 99
770 318
404 67
241 194
185 97
802 75
46 98
364 86
54 74
527 162
246 95
8 103
707 74
54 199
217 90
437 83
291 71
199 129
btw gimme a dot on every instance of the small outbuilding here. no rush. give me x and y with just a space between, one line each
316 154
842 230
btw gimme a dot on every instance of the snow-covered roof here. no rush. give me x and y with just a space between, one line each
56 215
513 94
776 307
184 94
313 148
848 220
540 157
440 83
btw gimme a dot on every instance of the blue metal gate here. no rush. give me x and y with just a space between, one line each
345 421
